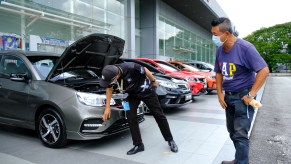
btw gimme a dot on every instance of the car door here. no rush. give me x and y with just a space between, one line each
13 94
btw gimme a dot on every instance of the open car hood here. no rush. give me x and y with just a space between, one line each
93 51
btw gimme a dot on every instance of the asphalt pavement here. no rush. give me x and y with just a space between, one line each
270 140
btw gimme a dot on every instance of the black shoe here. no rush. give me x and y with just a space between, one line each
173 146
136 149
228 162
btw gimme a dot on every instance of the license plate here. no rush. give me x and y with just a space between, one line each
188 97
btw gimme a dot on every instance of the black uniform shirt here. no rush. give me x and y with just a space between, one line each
134 78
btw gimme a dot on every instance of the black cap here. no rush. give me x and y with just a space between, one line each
108 74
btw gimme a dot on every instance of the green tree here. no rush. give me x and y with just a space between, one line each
273 43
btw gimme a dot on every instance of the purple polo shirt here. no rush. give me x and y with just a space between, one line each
238 65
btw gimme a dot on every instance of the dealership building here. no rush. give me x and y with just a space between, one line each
162 29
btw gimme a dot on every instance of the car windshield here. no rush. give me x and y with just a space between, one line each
210 65
43 64
191 68
167 66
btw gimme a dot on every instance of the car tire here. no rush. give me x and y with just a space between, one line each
51 129
208 91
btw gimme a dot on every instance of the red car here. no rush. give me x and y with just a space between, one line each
210 76
197 83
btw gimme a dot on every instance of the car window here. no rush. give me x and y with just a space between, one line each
178 66
43 64
11 64
43 67
191 68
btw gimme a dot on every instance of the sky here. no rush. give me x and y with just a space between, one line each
251 15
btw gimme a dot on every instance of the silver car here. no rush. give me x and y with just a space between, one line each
59 96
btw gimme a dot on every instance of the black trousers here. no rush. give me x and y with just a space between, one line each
152 102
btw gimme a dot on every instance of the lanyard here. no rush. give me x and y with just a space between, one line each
120 87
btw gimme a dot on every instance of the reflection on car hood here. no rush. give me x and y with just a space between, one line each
93 51
165 77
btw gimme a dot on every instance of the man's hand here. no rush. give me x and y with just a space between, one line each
106 114
221 100
247 99
155 84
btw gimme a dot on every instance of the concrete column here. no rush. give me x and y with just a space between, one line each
131 29
149 13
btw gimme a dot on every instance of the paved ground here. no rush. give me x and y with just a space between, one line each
198 129
270 141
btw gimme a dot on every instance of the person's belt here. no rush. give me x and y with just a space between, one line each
234 93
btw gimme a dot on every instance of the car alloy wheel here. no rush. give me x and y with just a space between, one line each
51 129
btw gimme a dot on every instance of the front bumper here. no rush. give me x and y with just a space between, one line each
175 100
117 127
87 124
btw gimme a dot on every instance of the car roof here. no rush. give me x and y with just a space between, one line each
30 53
195 62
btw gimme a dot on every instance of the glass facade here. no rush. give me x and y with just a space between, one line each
177 43
51 25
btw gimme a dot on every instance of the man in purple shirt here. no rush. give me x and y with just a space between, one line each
241 72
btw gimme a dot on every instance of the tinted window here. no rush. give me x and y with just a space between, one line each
12 64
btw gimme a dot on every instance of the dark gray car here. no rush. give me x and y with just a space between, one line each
59 96
173 92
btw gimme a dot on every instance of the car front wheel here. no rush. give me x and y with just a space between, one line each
51 129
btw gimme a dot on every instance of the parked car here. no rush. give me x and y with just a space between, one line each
173 92
197 83
210 76
62 100
207 67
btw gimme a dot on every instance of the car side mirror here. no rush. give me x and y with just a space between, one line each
19 77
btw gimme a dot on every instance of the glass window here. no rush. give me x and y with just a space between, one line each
170 29
115 6
162 25
176 37
161 43
99 3
98 14
179 32
117 24
12 65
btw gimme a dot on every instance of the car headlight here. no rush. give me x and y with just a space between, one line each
93 99
192 79
167 84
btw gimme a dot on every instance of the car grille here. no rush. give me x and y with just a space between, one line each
177 100
121 125
118 126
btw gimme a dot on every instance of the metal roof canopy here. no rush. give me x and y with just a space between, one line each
196 10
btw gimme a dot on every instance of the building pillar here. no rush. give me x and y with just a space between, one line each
131 29
149 16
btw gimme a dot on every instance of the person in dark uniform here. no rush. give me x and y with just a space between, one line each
140 85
